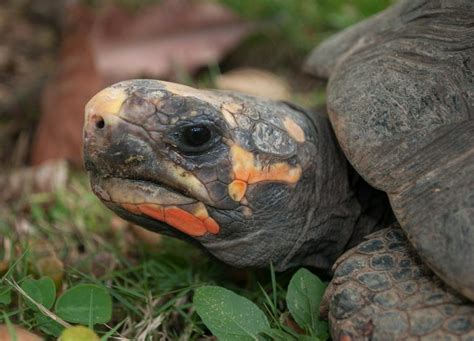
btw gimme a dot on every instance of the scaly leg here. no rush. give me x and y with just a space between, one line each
381 290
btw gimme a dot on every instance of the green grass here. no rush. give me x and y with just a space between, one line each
301 24
148 284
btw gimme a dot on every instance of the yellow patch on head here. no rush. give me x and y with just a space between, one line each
278 172
187 91
237 189
294 130
233 108
248 171
229 117
230 109
106 102
242 162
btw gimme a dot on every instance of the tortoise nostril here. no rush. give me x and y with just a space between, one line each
100 123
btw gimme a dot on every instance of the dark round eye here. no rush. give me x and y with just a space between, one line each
196 136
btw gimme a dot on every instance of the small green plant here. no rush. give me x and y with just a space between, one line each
85 304
233 317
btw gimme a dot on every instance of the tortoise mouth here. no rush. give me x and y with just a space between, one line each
157 202
135 192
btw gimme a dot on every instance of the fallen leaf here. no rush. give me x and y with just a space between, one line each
288 321
44 261
45 178
20 334
4 266
162 40
52 267
59 133
255 82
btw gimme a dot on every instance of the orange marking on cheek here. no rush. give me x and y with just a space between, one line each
294 130
242 162
276 172
184 221
212 226
237 189
249 170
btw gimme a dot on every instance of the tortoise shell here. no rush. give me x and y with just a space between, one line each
401 101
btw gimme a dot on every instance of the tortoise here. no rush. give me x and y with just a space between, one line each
255 181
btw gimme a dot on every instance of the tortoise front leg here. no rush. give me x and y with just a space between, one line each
381 290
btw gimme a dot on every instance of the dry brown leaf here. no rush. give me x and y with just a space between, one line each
161 40
20 334
255 82
4 266
288 321
51 267
59 134
45 262
169 38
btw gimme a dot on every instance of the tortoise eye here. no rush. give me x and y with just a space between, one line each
196 136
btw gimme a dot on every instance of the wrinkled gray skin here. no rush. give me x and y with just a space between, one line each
382 290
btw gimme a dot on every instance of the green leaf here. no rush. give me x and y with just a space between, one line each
228 315
322 330
304 295
5 295
87 304
47 325
42 290
307 338
279 335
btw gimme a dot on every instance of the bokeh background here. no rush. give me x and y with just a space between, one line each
54 56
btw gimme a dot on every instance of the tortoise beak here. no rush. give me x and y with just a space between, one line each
103 107
101 115
129 170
